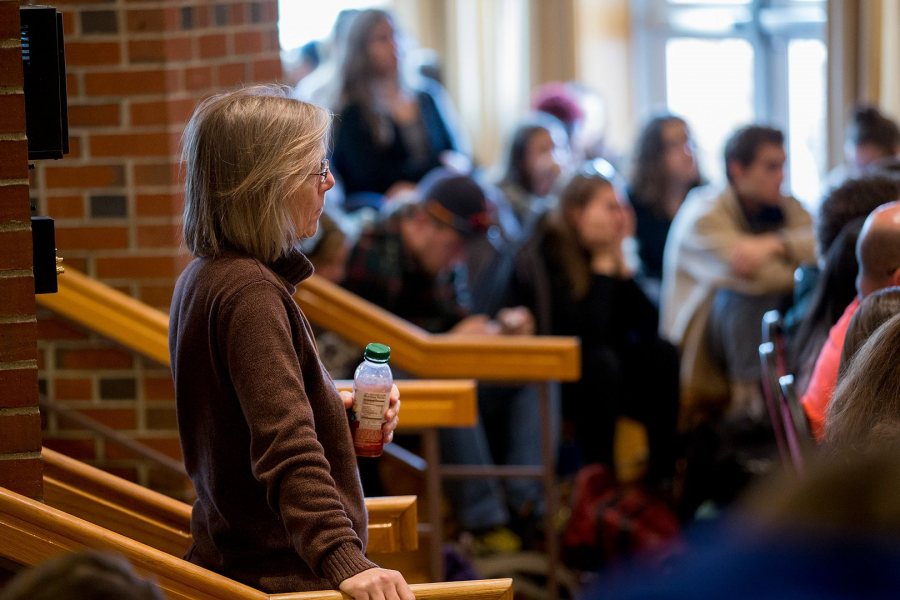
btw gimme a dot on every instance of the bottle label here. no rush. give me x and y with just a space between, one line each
369 409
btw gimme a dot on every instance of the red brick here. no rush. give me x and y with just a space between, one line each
13 159
17 296
157 174
198 78
271 42
270 11
170 446
74 146
91 238
231 74
267 69
248 42
73 86
83 448
212 46
15 249
68 21
159 50
117 418
167 112
23 475
85 177
153 20
79 54
240 13
129 83
15 204
11 70
65 207
95 115
201 16
159 205
18 341
132 144
73 389
93 358
138 267
18 388
159 388
9 20
12 113
20 433
158 236
157 296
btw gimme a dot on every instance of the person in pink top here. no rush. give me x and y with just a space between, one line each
878 254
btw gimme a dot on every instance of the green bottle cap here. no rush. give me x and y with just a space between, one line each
378 353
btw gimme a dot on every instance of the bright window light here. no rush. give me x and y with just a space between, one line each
710 84
302 21
806 106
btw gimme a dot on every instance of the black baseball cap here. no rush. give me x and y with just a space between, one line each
455 200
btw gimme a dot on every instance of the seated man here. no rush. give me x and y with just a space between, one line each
411 263
878 254
730 257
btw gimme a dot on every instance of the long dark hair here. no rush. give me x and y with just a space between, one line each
649 180
835 289
563 236
515 172
357 77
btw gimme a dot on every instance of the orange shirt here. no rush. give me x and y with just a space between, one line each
824 378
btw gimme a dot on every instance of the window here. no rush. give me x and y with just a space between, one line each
725 63
302 22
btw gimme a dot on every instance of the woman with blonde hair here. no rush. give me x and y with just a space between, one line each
264 432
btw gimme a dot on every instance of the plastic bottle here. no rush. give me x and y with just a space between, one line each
372 384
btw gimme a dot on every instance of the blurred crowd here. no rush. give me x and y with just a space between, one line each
664 278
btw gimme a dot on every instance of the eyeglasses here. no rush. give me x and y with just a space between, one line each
323 172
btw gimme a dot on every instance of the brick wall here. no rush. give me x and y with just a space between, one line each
135 70
20 424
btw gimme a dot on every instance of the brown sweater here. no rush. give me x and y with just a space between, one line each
264 432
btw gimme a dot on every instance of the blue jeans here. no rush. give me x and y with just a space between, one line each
508 433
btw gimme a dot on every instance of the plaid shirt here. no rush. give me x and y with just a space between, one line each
381 271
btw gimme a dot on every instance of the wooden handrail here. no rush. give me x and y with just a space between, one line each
492 358
31 532
164 523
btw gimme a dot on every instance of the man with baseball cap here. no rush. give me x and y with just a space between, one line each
412 264
409 262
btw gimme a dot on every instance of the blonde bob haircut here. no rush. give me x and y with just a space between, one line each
246 154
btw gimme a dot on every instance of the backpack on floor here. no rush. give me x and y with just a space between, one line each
611 523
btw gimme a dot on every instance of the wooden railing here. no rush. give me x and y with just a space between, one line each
31 532
492 358
164 523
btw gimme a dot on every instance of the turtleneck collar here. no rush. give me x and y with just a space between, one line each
293 267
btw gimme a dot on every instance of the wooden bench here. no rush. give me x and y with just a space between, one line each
32 532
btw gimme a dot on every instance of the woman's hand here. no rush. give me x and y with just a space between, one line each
391 415
377 583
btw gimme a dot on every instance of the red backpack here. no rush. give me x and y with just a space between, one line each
611 522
